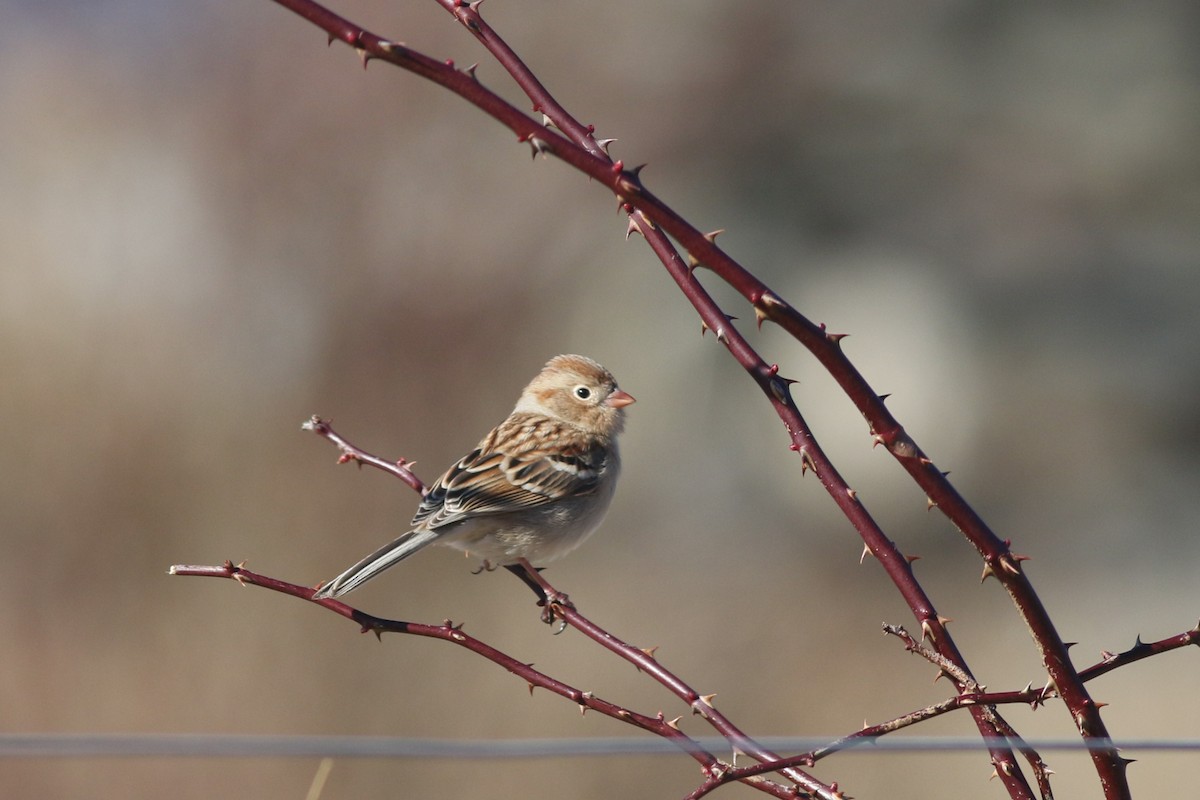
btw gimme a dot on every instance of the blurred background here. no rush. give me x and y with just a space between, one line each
213 226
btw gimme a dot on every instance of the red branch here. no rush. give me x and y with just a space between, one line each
716 772
654 219
558 606
449 632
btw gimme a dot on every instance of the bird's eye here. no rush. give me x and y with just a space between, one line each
583 392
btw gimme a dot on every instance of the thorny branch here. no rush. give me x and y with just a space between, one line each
449 632
560 608
647 215
717 773
653 219
775 388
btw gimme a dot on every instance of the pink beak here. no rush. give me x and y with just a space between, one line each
619 399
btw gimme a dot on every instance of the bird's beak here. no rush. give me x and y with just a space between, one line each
619 399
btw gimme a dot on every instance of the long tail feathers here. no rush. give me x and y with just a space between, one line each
376 563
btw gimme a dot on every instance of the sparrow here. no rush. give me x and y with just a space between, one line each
534 488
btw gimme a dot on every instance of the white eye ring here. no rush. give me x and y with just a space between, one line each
583 392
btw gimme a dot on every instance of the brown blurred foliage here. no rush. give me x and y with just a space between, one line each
213 226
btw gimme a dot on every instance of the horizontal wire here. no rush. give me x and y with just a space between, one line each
195 745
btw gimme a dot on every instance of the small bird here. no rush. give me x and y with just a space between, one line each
534 488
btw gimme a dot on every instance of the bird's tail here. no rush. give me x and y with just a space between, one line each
376 563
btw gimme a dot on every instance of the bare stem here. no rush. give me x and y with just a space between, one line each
652 218
449 632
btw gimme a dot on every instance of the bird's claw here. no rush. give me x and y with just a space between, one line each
551 607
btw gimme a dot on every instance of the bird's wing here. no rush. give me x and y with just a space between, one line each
492 482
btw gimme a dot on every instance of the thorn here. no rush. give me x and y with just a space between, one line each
779 387
584 697
712 235
239 577
1011 563
538 146
530 689
769 299
760 316
1106 656
866 552
851 493
911 559
835 338
876 440
883 397
673 723
474 5
471 71
927 630
1069 645
692 262
632 228
707 699
629 181
944 621
363 56
1099 705
987 570
930 504
995 774
650 651
546 121
604 143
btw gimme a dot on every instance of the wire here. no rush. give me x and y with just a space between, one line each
191 745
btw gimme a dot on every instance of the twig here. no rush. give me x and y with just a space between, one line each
558 606
774 387
449 632
401 469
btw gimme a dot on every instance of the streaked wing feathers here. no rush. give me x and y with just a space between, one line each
487 481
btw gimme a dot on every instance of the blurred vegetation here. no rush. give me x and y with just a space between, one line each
213 226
